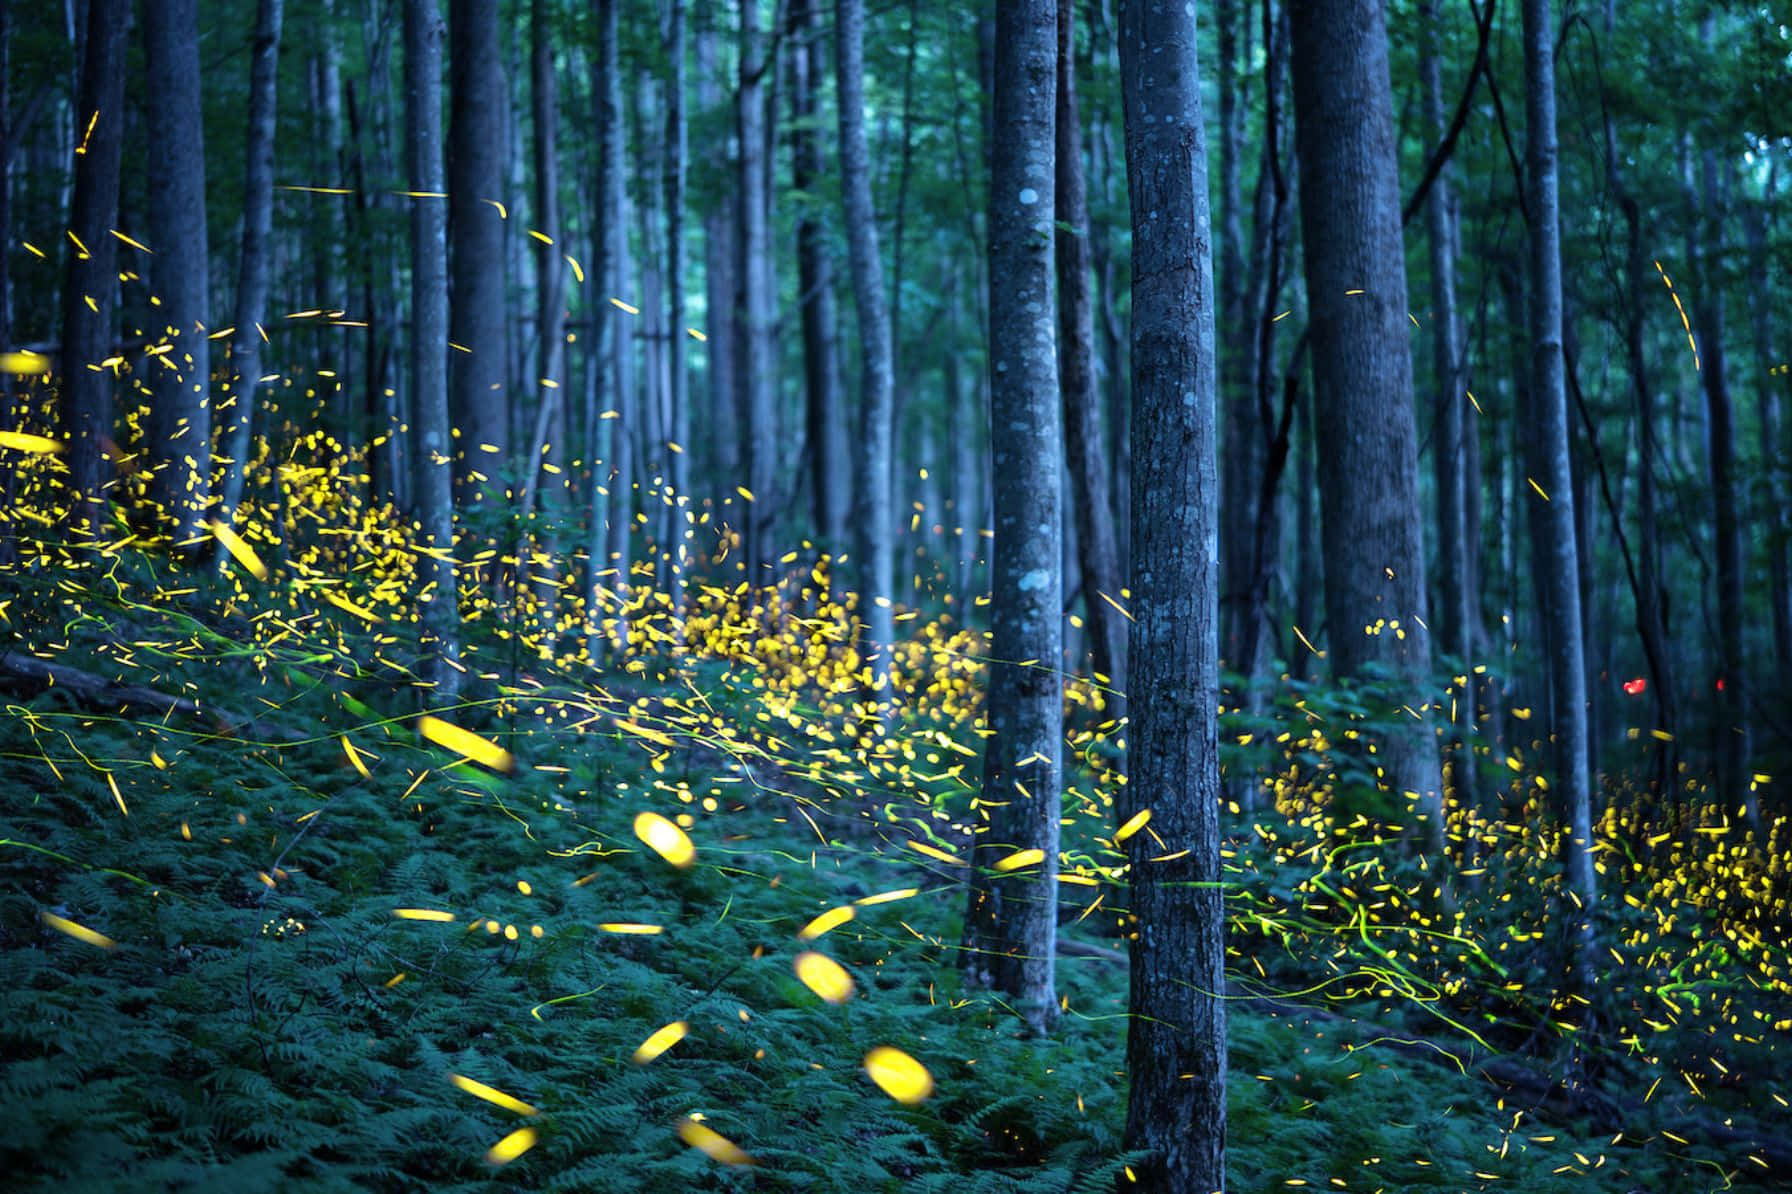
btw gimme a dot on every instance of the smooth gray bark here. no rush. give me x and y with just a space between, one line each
721 237
1454 620
1176 1035
1098 556
180 378
611 498
252 266
830 488
874 460
1349 185
432 459
544 453
759 297
678 388
1557 551
90 281
1011 921
476 158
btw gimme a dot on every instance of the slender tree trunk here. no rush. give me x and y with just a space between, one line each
1308 569
874 461
1241 465
432 460
90 285
252 268
545 452
1454 548
1011 922
611 502
1770 424
1097 556
1176 1035
829 486
180 381
678 391
1708 307
1362 370
721 250
758 310
476 236
1650 616
1550 431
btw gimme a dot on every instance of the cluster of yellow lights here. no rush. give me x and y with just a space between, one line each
1708 894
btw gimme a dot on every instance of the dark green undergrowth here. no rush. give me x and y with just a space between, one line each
264 1021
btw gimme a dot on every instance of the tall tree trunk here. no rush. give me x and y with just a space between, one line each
1550 431
1097 556
1176 1035
829 486
1241 466
874 460
252 267
1454 548
432 459
721 250
1011 922
758 310
90 285
1362 371
611 500
1650 615
1770 424
678 391
180 380
476 156
545 452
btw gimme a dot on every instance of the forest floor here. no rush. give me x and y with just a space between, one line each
263 928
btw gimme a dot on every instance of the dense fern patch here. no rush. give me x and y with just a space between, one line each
278 932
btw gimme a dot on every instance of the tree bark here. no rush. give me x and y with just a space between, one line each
874 459
1362 372
1176 1036
1454 547
721 249
476 238
830 490
1098 557
180 377
1770 424
678 387
90 286
1012 916
1550 431
611 500
432 460
252 266
1708 306
759 308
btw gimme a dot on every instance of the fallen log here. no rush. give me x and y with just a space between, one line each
28 675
